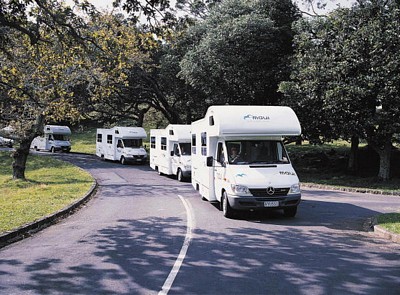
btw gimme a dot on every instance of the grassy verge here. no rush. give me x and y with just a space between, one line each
327 165
390 222
84 141
50 186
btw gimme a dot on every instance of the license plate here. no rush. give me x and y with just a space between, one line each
271 204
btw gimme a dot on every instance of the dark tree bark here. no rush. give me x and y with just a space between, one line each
352 165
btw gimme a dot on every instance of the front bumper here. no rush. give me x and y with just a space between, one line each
136 159
62 148
263 203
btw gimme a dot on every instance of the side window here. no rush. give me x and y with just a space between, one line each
176 150
99 137
164 143
204 143
153 142
109 138
119 144
193 143
220 153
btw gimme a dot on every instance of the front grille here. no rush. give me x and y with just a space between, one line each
262 192
138 157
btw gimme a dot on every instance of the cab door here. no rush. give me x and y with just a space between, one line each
220 170
175 158
119 151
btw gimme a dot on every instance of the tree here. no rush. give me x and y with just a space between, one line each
240 52
37 75
342 80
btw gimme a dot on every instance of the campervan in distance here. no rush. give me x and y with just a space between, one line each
239 160
170 150
123 144
54 138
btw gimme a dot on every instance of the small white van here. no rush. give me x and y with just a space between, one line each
54 138
239 160
170 150
124 144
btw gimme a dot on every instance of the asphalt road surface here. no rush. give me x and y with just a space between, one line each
148 234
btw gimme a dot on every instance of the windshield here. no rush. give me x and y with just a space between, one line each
132 143
185 148
59 137
256 152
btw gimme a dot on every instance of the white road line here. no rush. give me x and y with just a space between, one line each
178 263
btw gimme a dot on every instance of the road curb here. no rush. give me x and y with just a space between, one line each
383 233
28 229
351 190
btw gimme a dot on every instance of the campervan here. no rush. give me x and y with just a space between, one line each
239 160
124 144
54 138
170 151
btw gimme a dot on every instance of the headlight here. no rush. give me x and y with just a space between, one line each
295 189
188 167
240 189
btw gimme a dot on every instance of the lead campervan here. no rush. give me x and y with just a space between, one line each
170 150
239 160
124 144
54 138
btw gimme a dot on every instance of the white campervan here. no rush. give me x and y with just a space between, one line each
170 150
239 160
54 138
124 144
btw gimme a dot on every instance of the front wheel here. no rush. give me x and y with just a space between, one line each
226 208
290 212
53 150
123 160
179 175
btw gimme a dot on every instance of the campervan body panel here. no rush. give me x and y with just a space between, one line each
122 144
54 138
170 150
238 154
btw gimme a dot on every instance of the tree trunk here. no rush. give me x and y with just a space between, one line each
352 165
21 153
384 160
20 156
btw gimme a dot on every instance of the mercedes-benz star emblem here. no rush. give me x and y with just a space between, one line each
270 190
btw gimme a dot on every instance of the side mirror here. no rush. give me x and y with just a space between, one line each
172 153
210 161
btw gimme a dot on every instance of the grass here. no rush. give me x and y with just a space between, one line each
50 186
84 141
326 165
390 222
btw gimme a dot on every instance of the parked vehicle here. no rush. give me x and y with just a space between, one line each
170 151
6 142
239 160
123 144
54 138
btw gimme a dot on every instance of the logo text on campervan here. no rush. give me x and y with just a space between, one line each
256 118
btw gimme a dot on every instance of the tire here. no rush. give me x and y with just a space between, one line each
52 149
123 161
158 171
179 175
226 208
290 212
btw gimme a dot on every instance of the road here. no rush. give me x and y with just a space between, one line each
148 234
